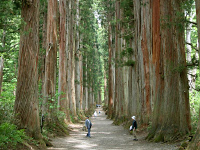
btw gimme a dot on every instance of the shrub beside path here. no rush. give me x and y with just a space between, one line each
105 136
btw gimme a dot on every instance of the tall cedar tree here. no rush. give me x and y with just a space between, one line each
26 103
62 87
171 113
49 104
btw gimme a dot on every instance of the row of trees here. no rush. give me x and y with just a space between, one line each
59 71
146 40
131 51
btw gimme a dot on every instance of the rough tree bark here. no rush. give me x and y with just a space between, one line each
71 59
62 84
171 84
82 101
42 56
81 80
77 60
49 103
117 53
105 86
142 92
26 102
110 87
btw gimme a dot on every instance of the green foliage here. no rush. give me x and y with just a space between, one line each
72 119
7 102
129 63
127 20
127 52
159 138
178 68
77 82
143 3
188 6
9 45
125 58
10 136
194 108
179 20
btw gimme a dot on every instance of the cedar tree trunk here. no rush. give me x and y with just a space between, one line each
26 102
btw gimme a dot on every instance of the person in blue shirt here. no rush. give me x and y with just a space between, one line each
134 127
88 125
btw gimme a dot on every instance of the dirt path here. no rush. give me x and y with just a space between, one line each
105 136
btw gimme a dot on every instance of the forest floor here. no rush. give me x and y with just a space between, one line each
105 136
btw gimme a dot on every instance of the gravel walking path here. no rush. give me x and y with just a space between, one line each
105 136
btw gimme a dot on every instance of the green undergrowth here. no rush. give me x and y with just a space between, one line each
56 129
123 120
10 136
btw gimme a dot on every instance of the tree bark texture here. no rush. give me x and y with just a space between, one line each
171 85
77 60
82 101
105 86
62 84
141 105
42 56
116 100
110 87
81 80
72 59
26 103
49 105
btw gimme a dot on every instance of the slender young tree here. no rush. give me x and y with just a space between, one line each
26 102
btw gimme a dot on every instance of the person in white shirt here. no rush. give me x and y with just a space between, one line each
95 113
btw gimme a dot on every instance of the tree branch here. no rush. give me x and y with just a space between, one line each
192 46
191 22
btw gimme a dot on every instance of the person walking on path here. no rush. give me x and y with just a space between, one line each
134 127
88 125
